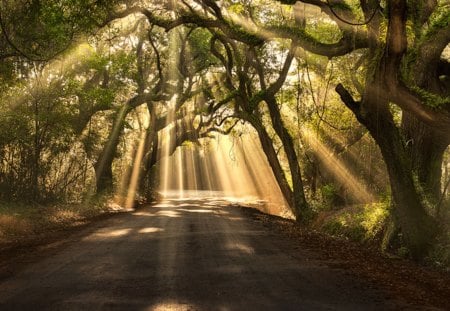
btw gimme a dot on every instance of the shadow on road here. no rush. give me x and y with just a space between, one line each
185 254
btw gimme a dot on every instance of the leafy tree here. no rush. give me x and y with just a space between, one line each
231 63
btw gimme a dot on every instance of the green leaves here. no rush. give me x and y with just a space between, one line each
430 99
39 30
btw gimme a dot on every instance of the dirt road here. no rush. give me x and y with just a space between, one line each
197 254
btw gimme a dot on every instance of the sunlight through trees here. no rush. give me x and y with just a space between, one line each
301 107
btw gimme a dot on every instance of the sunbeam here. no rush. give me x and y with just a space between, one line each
131 194
337 168
234 167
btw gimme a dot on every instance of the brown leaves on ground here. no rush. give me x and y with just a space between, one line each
401 279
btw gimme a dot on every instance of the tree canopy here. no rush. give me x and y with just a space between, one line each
324 85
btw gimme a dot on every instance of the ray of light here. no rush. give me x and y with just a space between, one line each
168 135
262 175
222 173
235 168
39 81
206 169
129 203
166 140
180 177
377 172
193 168
115 131
337 168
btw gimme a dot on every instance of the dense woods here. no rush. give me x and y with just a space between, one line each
349 101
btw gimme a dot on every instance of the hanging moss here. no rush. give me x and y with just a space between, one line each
257 98
430 99
243 35
293 32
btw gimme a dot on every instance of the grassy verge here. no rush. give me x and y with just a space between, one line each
363 223
366 223
19 221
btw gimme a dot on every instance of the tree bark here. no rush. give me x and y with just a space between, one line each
300 204
426 148
103 165
418 228
272 158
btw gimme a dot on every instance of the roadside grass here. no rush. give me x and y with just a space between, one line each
20 221
365 223
362 222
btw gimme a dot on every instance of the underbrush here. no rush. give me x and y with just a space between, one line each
440 253
362 222
19 221
366 223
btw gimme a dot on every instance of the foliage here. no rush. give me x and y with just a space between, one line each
60 120
199 43
42 29
361 222
328 193
440 253
439 20
432 100
24 221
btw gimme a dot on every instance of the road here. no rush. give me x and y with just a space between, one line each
185 254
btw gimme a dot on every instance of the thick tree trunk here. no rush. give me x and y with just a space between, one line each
427 148
418 228
104 178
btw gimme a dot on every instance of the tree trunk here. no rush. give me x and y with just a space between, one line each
146 184
300 203
103 165
427 150
272 158
417 227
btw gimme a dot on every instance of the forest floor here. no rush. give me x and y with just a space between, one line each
208 255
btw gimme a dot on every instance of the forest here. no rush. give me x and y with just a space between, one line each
335 113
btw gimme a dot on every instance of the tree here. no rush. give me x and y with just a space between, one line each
398 46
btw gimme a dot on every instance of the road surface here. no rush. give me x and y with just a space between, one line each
185 254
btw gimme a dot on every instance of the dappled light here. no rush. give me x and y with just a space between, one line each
113 233
150 230
337 168
171 305
240 248
168 213
195 210
187 132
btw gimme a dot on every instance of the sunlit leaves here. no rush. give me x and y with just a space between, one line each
39 30
199 48
324 32
439 20
237 8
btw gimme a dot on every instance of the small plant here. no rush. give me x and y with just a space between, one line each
328 194
357 222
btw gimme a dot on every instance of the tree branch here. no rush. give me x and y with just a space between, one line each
348 100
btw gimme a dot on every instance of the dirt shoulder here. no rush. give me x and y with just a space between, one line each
24 249
403 279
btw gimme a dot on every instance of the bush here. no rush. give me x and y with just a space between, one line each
357 222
